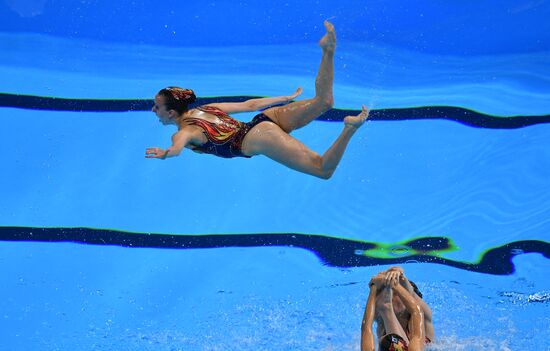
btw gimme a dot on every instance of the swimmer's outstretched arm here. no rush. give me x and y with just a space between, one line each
426 310
255 104
397 273
179 141
367 337
416 325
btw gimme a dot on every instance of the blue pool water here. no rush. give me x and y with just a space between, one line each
102 249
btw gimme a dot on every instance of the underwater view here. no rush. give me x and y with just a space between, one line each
120 229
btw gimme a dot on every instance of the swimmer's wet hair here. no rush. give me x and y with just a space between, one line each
415 288
177 98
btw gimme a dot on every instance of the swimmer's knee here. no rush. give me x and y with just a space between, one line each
325 103
325 175
322 172
329 102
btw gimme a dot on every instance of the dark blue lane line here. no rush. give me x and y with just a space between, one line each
332 251
457 114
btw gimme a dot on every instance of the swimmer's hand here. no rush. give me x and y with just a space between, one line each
393 276
156 152
378 280
297 93
396 268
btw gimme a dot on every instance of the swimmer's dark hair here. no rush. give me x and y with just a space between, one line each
177 98
415 288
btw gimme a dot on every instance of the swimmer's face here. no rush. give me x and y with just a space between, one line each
159 109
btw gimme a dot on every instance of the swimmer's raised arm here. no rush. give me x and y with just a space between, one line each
255 104
397 273
416 325
367 337
426 310
179 141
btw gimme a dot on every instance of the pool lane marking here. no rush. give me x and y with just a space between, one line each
332 251
458 114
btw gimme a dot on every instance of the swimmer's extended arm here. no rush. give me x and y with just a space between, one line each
367 337
179 141
397 273
254 104
426 310
416 324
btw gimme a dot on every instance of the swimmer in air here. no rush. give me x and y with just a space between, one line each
210 129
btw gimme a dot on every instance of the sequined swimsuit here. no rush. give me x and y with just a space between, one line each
225 137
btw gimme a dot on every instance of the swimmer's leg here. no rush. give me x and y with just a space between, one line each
270 140
300 113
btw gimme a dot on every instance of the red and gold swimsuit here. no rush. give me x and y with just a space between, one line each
226 135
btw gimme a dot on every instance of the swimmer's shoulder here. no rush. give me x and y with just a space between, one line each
189 134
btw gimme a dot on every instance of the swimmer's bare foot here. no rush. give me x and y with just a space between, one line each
357 121
328 41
